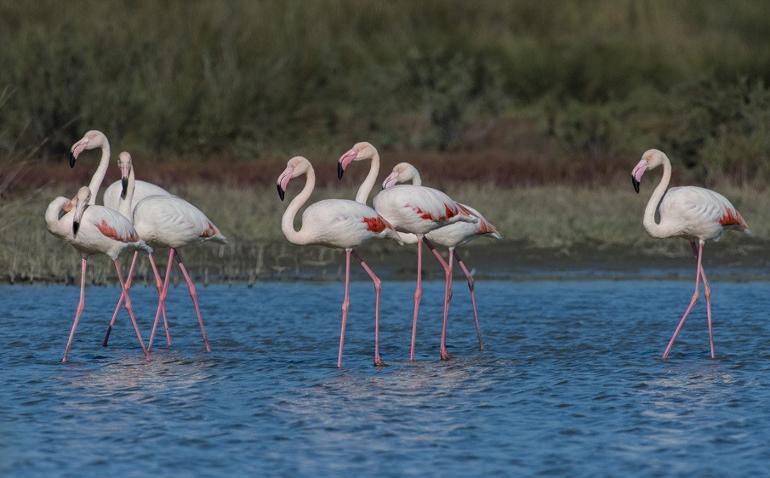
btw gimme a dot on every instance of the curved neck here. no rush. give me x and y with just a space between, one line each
653 228
125 204
416 180
101 171
362 195
52 219
287 221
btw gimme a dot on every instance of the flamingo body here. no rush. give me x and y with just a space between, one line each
169 221
419 209
697 213
343 224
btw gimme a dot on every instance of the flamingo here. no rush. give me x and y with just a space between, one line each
336 223
409 208
172 222
128 183
689 212
91 230
450 237
95 139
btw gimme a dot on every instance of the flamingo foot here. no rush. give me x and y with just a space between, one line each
445 355
378 361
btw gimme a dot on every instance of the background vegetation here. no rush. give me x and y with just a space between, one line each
533 111
580 78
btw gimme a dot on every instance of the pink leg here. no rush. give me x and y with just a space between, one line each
79 309
129 307
159 286
345 307
377 288
194 296
417 297
689 308
120 300
162 297
471 287
707 293
447 294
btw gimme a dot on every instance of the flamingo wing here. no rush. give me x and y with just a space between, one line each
112 224
172 220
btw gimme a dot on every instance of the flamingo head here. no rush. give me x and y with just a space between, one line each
91 140
296 167
651 159
359 152
124 163
402 173
80 201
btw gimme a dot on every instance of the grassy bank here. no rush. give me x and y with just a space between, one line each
543 224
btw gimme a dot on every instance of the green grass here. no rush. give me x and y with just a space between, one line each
562 220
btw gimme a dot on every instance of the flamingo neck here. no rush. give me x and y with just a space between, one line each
52 220
365 189
125 204
416 179
101 171
287 221
653 228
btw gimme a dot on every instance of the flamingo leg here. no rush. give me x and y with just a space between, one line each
377 288
472 288
129 307
79 309
159 286
447 294
345 307
417 297
707 294
689 308
194 297
120 300
162 296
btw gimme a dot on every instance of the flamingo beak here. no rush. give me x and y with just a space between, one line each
283 181
77 148
124 172
637 173
345 161
390 181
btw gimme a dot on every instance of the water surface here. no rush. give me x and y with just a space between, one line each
570 383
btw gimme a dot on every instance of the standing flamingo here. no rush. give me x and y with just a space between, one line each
94 139
337 223
172 222
91 230
125 204
450 237
412 209
690 212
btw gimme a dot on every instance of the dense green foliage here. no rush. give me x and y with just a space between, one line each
248 78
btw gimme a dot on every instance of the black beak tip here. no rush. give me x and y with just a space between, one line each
75 227
340 170
635 184
124 189
72 160
281 192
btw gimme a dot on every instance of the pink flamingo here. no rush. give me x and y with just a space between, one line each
92 230
411 209
690 212
337 223
95 139
172 222
450 237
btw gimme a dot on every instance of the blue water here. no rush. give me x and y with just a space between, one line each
570 383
